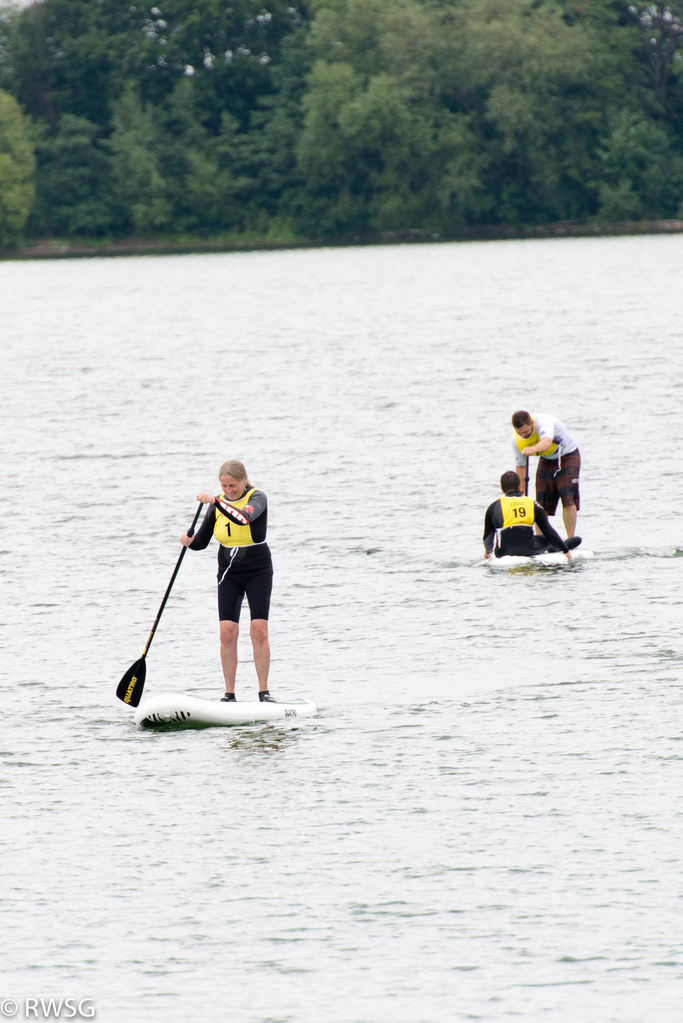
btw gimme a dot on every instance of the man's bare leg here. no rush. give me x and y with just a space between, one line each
569 516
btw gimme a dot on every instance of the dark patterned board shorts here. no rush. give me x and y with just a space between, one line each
553 484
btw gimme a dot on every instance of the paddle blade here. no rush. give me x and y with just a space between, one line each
131 685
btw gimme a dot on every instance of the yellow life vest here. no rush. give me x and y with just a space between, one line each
229 533
517 511
528 442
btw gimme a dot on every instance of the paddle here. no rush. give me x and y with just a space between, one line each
526 478
131 685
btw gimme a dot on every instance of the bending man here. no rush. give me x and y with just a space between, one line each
559 463
510 521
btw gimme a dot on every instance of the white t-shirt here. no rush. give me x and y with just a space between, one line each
547 426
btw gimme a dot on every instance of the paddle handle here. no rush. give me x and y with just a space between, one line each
190 532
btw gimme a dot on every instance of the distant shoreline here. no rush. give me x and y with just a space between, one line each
53 248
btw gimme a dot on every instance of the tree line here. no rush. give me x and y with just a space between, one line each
336 118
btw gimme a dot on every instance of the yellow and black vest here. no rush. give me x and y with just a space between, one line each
517 511
527 442
229 533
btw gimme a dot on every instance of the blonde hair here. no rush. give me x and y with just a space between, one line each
235 469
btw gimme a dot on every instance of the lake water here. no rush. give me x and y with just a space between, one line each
484 821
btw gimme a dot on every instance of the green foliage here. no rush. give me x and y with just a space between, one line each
17 163
77 56
141 191
376 158
382 147
73 181
642 175
345 117
267 181
540 106
661 32
453 113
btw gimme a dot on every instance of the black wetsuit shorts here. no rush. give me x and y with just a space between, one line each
244 571
519 541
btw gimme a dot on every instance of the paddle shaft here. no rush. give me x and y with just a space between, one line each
190 532
526 478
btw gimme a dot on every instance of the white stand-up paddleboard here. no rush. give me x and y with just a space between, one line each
179 711
554 558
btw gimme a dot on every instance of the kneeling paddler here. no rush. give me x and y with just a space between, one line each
510 521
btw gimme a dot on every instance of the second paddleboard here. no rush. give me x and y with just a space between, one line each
554 558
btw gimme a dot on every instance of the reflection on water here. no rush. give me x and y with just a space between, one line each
268 739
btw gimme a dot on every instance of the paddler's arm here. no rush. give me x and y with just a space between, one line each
258 503
538 449
521 466
490 529
202 537
523 474
551 535
533 449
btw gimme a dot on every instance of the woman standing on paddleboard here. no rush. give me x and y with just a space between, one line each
238 519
